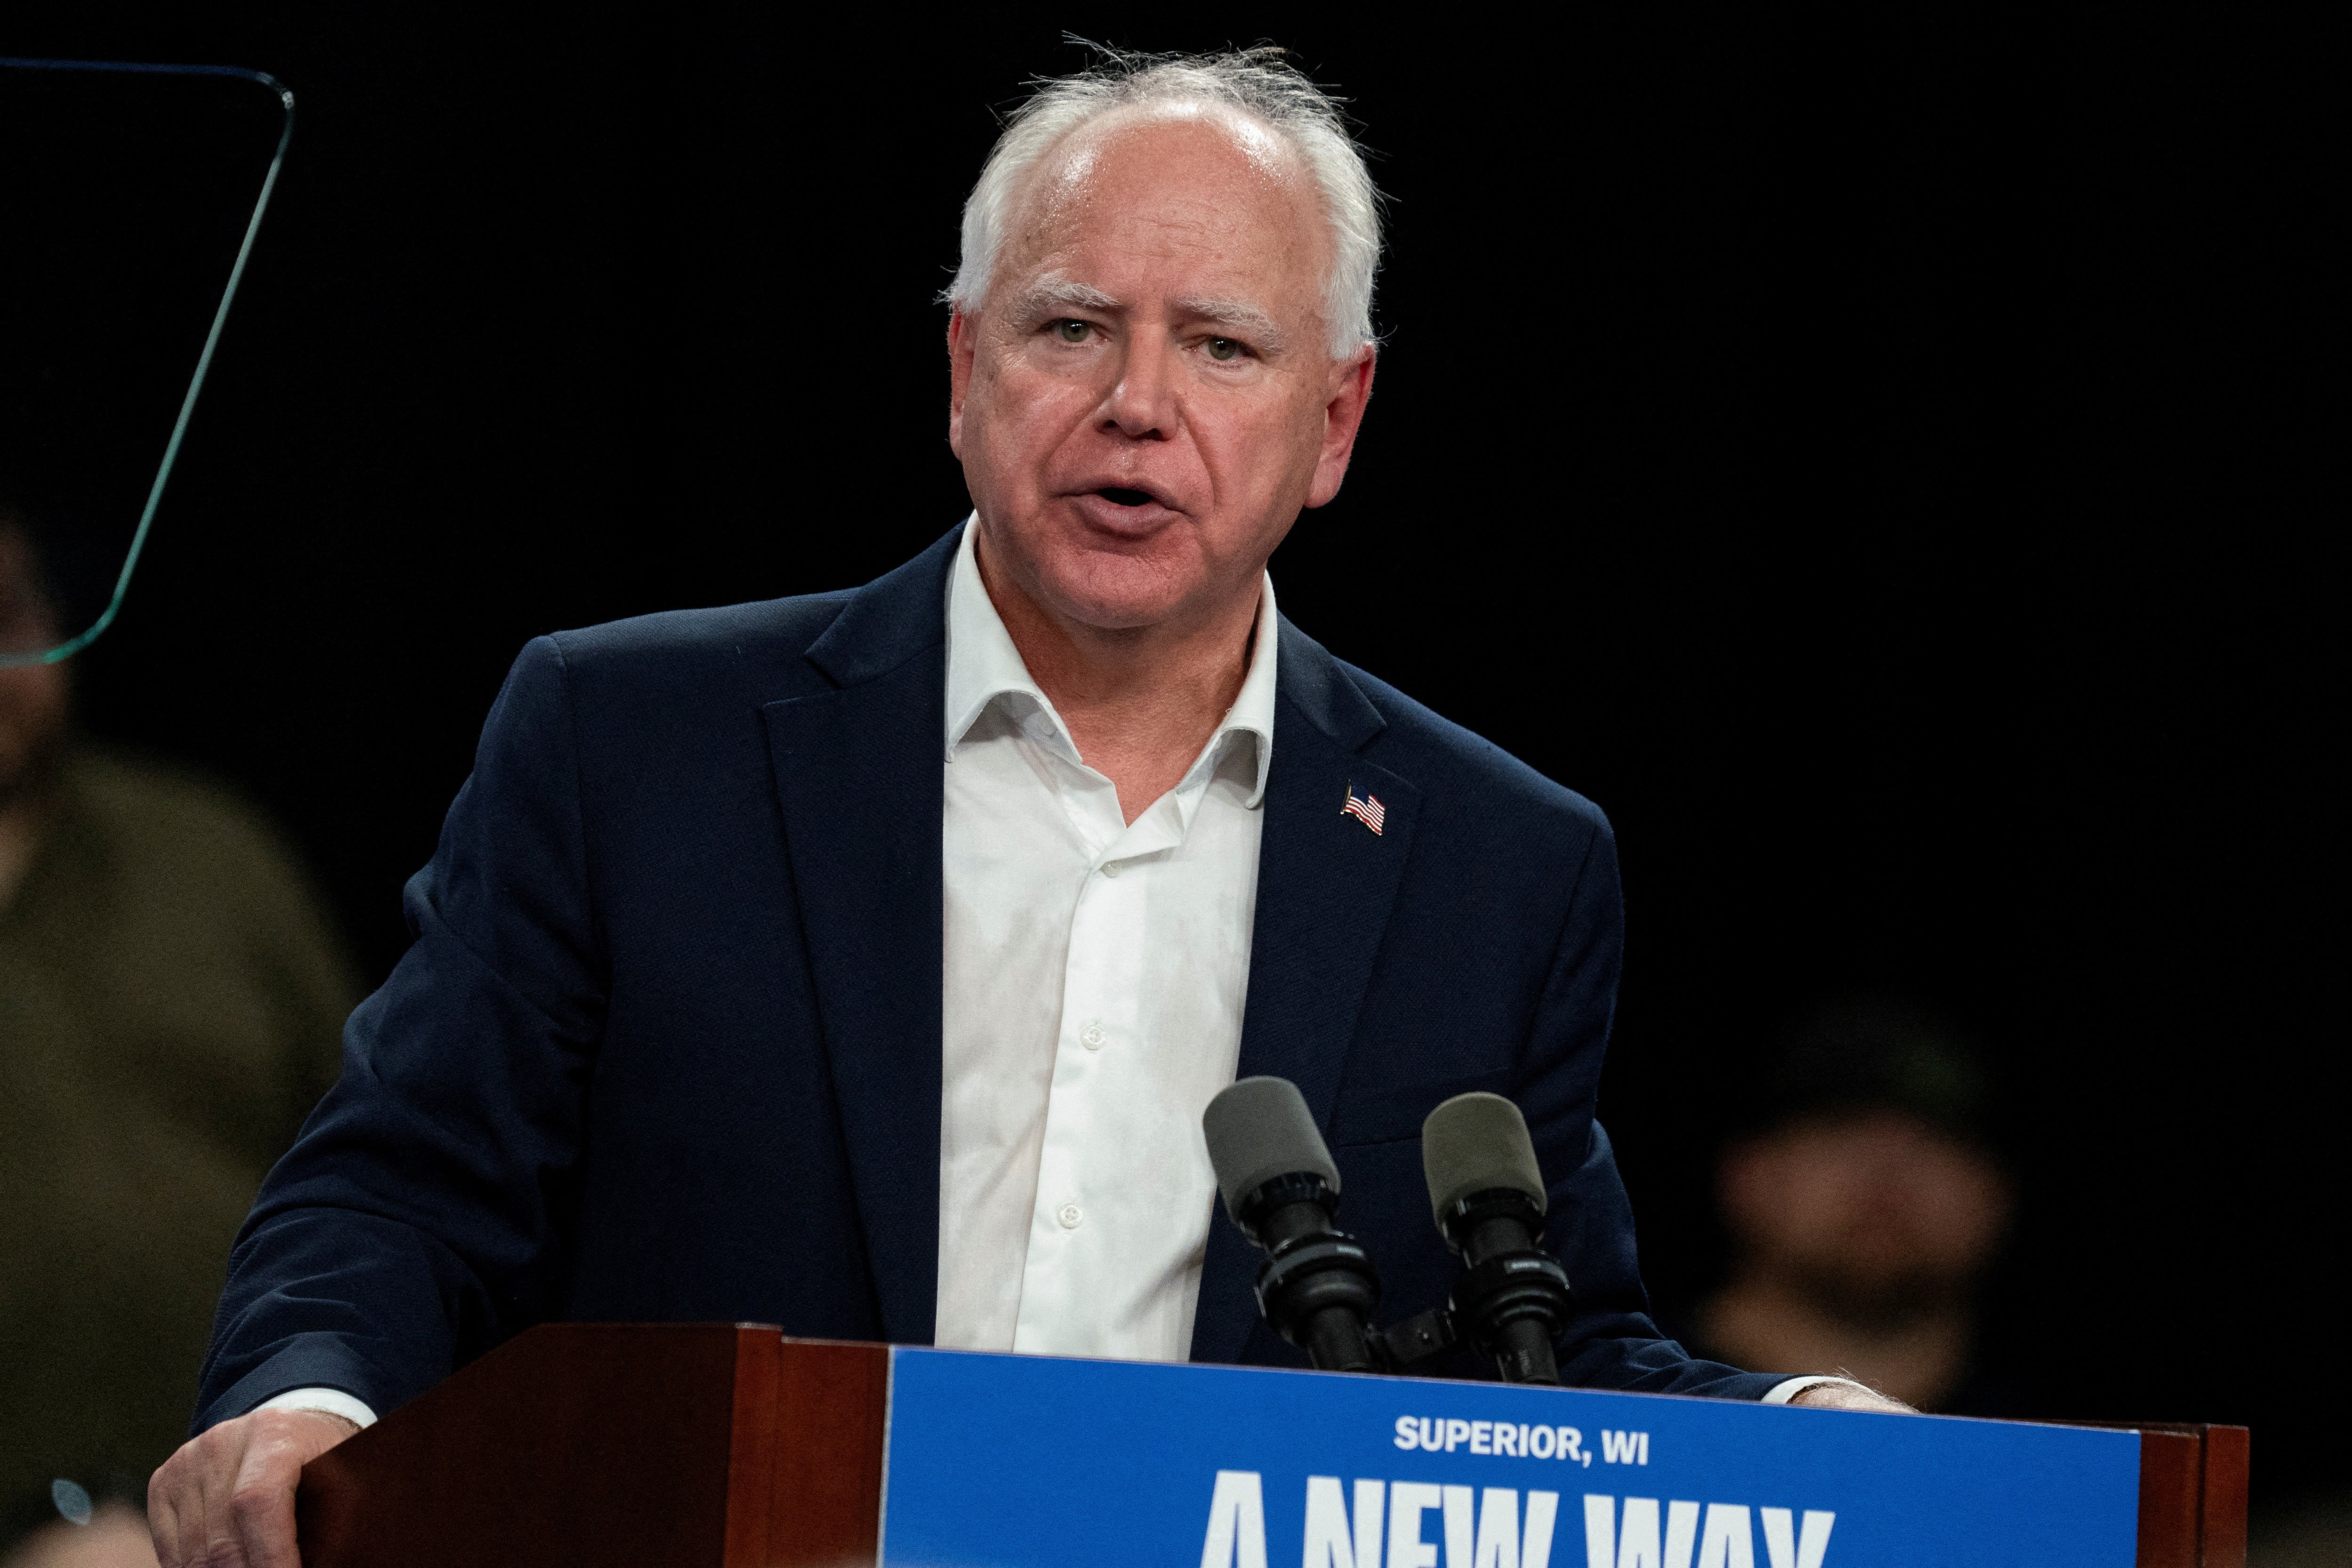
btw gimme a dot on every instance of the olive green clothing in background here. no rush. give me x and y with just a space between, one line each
172 997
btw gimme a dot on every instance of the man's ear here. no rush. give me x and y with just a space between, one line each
1345 395
961 342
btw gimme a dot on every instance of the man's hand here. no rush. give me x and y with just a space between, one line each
227 1499
1820 1397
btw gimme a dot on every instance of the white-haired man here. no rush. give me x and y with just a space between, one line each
862 963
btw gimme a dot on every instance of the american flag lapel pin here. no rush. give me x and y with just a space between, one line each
1366 810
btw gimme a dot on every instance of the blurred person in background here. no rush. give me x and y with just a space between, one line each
172 996
1865 1204
2311 1532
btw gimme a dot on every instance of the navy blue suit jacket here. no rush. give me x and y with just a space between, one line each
666 1046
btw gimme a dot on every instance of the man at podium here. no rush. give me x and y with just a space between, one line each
863 962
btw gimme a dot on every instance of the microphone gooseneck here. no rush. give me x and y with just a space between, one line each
1318 1287
1487 1193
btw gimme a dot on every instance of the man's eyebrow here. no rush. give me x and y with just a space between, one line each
1246 319
1050 294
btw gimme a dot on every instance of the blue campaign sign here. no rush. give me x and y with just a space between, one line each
1041 1462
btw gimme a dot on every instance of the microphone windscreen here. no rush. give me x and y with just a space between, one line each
1474 1144
1260 1129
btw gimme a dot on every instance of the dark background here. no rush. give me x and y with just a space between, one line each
1881 463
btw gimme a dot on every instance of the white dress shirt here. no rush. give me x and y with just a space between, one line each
1092 983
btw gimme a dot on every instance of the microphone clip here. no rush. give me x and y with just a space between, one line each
1317 1286
1512 1300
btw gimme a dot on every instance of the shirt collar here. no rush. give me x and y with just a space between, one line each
983 666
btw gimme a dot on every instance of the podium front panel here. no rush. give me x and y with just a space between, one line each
1042 1462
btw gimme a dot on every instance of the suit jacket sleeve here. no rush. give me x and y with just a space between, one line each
1611 1342
417 1221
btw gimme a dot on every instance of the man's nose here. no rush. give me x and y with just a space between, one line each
1141 404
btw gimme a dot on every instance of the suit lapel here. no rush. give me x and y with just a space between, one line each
859 776
1325 884
858 773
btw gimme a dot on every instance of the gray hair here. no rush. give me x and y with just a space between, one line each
1255 82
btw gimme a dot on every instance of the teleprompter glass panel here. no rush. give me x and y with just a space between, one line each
129 196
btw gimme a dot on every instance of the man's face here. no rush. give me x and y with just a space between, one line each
1146 398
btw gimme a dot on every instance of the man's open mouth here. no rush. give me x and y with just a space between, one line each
1117 496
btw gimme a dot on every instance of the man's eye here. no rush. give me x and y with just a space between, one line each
1222 349
1072 331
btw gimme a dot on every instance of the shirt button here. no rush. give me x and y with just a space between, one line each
1110 868
1094 1037
1069 1214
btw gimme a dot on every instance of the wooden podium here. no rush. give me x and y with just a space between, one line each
697 1446
584 1446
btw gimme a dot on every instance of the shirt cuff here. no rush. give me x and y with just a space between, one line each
1780 1394
335 1402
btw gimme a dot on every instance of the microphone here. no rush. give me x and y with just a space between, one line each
1487 1194
1317 1286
